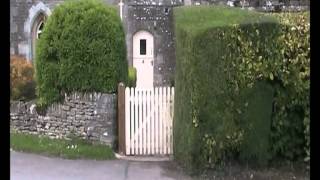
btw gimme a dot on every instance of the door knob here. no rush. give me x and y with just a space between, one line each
142 61
151 63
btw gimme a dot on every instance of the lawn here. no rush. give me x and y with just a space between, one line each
69 149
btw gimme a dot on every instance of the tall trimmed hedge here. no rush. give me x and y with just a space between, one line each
82 48
291 117
224 54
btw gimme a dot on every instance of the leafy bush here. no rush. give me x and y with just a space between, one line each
82 48
22 84
287 51
208 109
291 121
132 77
220 61
256 122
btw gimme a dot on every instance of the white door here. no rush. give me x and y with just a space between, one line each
143 58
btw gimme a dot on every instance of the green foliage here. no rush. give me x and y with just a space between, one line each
291 122
217 65
73 149
132 79
22 83
82 48
207 129
256 122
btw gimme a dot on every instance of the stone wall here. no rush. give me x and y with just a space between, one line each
88 116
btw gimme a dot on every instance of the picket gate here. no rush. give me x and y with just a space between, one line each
148 121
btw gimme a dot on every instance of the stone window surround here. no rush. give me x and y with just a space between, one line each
40 19
34 12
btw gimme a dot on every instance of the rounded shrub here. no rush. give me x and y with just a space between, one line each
82 49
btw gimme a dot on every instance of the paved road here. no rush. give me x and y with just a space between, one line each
35 167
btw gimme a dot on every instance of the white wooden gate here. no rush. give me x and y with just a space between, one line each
148 120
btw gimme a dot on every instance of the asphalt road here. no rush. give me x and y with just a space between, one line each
26 166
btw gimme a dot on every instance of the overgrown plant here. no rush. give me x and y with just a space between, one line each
22 83
132 79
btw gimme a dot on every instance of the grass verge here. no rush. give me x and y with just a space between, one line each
69 149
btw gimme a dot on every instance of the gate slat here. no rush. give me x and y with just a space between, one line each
140 122
148 120
161 119
156 121
167 119
171 119
127 120
164 112
144 123
135 121
131 120
152 120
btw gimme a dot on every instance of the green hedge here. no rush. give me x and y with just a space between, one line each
291 120
82 48
256 123
222 54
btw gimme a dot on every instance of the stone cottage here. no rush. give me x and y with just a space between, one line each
148 26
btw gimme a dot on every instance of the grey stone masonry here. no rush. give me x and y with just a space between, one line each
88 116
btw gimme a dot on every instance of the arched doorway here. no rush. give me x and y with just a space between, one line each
143 58
37 29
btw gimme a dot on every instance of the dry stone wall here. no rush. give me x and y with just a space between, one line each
87 116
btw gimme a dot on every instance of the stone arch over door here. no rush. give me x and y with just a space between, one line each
37 16
143 58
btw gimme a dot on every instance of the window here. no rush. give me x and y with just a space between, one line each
166 10
143 46
36 31
39 30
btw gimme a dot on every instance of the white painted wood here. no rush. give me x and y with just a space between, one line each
143 62
164 119
144 116
160 120
131 119
135 138
149 118
167 119
171 118
127 120
152 120
140 121
156 124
